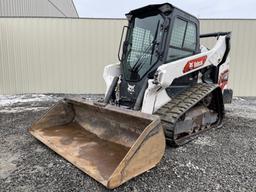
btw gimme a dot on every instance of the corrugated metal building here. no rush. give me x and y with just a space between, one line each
37 8
53 55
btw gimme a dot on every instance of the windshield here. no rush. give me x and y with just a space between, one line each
143 38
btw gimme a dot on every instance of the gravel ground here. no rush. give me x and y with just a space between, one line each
219 160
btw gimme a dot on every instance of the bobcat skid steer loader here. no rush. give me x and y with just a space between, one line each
166 89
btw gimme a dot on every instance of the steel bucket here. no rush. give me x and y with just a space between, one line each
110 144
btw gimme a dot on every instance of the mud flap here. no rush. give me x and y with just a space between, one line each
110 144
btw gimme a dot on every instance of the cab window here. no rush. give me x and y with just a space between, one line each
183 40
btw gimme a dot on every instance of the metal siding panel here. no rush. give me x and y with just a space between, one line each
41 55
243 44
66 6
42 8
56 55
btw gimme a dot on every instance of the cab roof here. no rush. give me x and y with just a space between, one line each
165 8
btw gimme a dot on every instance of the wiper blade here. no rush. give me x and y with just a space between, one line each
139 62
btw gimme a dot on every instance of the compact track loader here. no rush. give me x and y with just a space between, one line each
167 88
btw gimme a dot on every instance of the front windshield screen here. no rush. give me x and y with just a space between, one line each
143 38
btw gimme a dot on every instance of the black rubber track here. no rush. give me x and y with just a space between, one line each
171 112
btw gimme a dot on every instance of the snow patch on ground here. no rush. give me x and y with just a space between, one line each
195 167
7 165
241 107
205 141
25 103
189 165
8 100
22 109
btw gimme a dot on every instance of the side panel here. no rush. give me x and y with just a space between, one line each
224 75
170 71
111 71
223 82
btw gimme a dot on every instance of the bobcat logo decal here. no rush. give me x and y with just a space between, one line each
131 89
